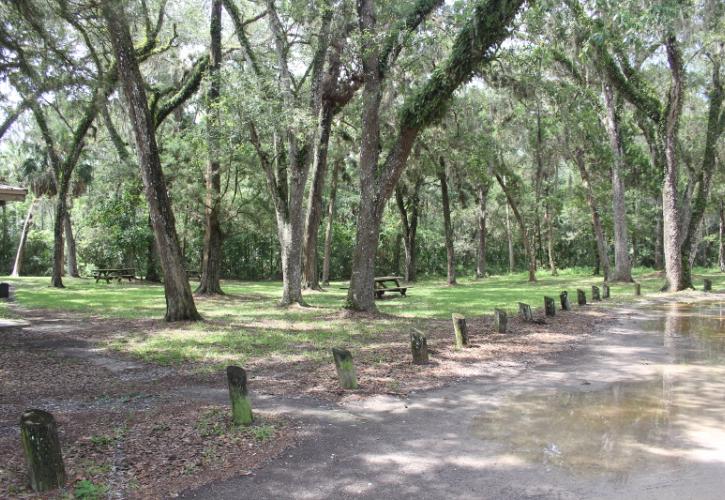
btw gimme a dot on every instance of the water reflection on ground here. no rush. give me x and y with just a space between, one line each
673 418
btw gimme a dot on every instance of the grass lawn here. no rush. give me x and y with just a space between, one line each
247 324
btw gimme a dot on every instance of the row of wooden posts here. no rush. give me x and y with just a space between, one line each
39 435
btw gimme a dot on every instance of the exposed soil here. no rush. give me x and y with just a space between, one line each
129 426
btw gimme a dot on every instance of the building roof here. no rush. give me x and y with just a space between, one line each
12 193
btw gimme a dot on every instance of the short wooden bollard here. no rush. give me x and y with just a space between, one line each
549 306
595 293
419 347
525 312
637 289
39 435
581 297
499 320
239 396
707 285
605 291
345 368
460 330
564 299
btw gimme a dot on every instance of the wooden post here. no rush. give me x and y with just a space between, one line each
595 294
581 297
564 299
39 435
637 289
499 320
707 286
239 396
525 312
605 291
345 368
549 306
419 347
460 330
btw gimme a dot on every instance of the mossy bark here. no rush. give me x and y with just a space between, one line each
419 347
595 293
500 321
549 306
460 330
525 312
39 435
581 297
345 368
605 291
564 299
239 396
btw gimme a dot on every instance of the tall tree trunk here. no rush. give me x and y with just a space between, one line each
330 219
179 300
524 232
602 251
70 243
674 270
209 283
61 210
659 235
17 267
622 264
550 240
447 226
510 241
482 216
721 253
409 221
311 278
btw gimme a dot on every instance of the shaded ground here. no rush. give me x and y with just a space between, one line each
135 429
637 412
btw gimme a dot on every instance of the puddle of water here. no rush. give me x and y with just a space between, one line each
673 419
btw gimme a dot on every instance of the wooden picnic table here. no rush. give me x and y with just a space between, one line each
382 285
114 274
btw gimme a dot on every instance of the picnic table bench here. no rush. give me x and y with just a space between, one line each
385 284
114 274
191 274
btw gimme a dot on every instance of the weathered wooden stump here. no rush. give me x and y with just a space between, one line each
419 347
595 293
499 320
707 285
605 291
239 395
564 299
549 306
581 297
39 436
637 289
525 312
345 368
4 290
460 330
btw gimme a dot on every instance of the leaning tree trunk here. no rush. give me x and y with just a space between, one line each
313 219
622 265
596 219
659 236
447 226
328 229
674 271
721 253
524 232
482 215
179 300
24 239
70 244
209 283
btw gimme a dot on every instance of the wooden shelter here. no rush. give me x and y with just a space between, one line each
11 193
